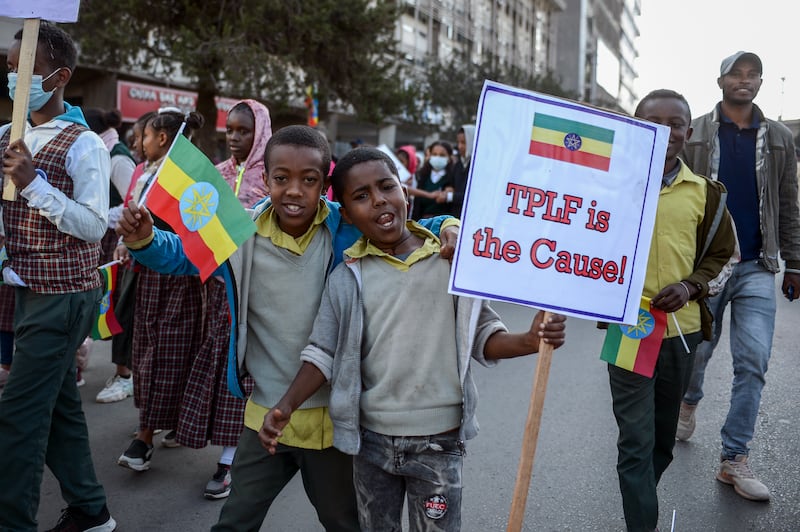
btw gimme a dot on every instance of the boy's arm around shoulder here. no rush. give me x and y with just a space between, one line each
499 343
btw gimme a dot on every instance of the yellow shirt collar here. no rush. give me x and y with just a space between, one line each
267 226
363 248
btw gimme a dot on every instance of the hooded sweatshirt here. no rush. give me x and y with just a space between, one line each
252 188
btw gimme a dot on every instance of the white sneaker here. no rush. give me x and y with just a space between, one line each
117 389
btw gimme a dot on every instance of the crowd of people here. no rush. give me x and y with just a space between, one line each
295 357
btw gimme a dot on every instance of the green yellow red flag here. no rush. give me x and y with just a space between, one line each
571 141
106 324
636 347
192 197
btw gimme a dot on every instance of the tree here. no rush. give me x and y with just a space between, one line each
265 49
455 86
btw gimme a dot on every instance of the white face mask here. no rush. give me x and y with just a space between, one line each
438 162
38 97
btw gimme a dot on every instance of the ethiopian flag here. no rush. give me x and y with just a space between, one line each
571 141
106 324
191 196
635 347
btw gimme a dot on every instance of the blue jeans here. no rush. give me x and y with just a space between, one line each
751 294
424 469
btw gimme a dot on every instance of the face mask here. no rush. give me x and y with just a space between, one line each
438 162
38 97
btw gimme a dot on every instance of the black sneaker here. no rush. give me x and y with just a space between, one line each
219 486
137 456
76 520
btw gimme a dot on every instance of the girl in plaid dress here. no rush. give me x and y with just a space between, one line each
168 319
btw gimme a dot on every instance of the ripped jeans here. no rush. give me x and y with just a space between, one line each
424 469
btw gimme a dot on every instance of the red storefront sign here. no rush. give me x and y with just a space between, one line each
136 99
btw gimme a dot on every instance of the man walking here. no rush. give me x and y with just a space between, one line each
754 157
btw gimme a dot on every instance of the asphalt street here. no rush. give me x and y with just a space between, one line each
574 485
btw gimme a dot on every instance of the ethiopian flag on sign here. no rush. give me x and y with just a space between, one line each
636 347
106 324
191 196
571 141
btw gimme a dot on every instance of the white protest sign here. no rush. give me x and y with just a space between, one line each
52 10
560 206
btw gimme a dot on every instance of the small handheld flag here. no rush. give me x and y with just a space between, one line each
106 324
192 197
572 142
636 347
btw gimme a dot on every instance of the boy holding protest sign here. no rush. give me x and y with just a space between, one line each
393 392
279 276
53 231
693 240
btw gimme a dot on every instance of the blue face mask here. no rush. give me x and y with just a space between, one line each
38 97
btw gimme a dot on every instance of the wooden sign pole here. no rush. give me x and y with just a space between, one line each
19 117
530 437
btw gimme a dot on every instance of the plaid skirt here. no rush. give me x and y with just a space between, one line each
209 413
6 308
167 334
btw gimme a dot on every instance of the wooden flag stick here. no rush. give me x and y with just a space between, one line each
19 116
530 436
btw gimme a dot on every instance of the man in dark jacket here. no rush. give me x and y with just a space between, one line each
755 158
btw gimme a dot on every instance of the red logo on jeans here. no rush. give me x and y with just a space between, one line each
436 506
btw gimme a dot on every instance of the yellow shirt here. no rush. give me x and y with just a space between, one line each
681 208
267 226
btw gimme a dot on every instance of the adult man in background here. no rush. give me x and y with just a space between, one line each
755 158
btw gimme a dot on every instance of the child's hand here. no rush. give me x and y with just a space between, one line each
121 253
553 331
672 297
18 164
449 238
274 421
135 223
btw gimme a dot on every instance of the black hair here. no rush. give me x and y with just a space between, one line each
242 107
56 44
144 119
660 94
426 169
100 120
354 157
170 121
303 136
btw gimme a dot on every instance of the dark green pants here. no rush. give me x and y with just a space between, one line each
647 410
41 417
258 477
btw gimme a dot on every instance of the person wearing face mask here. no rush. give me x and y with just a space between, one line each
53 229
435 175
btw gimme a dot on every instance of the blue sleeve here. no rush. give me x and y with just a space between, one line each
433 225
165 255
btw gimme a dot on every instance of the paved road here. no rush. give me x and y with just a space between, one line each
574 486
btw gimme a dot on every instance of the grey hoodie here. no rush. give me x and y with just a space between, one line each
335 349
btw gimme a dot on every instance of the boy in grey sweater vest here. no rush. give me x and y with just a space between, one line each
393 393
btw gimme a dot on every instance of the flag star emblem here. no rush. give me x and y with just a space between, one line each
644 326
572 141
198 204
